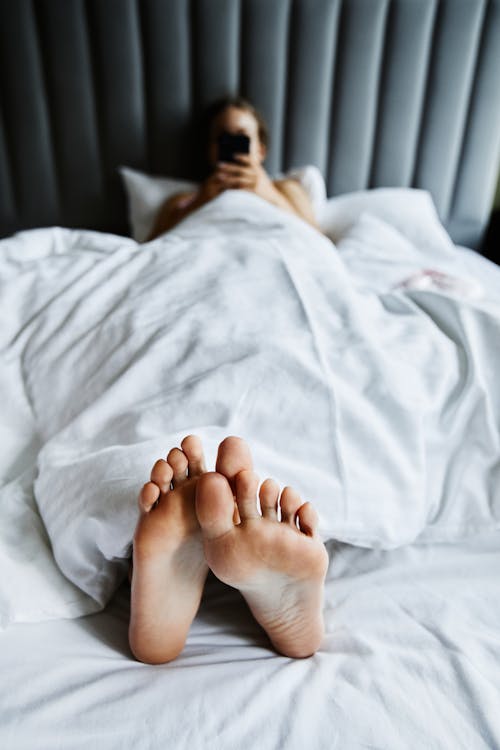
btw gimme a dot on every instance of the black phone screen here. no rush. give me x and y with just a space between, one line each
229 144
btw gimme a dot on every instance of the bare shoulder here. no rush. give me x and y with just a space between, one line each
171 211
298 198
289 185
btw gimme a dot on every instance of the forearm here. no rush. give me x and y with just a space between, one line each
170 216
167 220
163 223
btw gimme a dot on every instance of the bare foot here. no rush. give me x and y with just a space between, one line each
278 566
169 567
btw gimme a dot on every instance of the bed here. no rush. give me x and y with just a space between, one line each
359 362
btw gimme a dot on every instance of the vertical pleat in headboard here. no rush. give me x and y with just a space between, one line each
71 106
264 64
313 37
355 94
456 36
168 89
477 169
30 169
115 43
408 44
374 92
7 198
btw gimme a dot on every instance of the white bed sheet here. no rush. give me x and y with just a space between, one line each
411 659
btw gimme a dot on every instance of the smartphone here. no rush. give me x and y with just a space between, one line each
229 144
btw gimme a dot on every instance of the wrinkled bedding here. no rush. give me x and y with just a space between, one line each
376 399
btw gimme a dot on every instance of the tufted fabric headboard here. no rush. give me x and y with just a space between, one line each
374 92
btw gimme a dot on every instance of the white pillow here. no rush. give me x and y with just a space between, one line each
380 258
147 193
412 212
409 210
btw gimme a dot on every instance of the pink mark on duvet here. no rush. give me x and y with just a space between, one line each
429 278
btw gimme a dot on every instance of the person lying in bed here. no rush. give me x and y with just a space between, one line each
236 116
192 520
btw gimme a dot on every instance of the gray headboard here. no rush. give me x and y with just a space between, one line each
374 92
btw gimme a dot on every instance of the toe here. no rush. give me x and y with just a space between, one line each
179 463
290 502
193 449
233 456
308 519
246 484
161 475
148 496
214 505
268 495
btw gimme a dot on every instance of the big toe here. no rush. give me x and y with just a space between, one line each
214 505
233 456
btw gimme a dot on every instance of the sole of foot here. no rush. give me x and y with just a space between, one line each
274 557
169 567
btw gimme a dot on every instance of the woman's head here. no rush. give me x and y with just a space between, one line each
235 115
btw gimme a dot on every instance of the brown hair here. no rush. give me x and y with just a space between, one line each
238 102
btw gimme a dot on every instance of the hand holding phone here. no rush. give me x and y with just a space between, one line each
229 144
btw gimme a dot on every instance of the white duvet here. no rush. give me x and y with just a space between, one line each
377 400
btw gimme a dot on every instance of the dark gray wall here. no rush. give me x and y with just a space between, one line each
374 92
